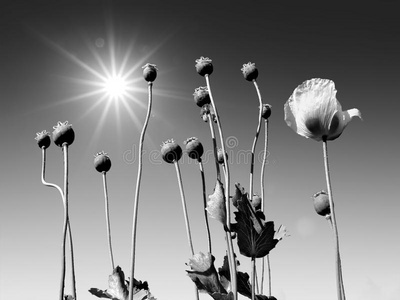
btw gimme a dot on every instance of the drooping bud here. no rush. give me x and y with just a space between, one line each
43 139
149 72
201 96
266 111
63 134
102 162
204 66
194 148
250 72
216 203
170 151
321 203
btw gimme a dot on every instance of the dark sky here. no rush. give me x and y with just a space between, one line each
49 54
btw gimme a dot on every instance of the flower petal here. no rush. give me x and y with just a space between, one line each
340 121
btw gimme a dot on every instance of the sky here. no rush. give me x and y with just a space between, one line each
51 53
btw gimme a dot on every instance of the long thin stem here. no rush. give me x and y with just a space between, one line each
253 278
232 264
45 183
136 201
339 284
205 204
72 261
253 148
264 161
185 214
210 121
108 219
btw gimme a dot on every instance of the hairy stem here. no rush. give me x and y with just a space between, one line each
339 283
108 219
136 200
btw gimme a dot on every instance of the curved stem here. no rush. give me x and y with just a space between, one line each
108 219
210 121
136 201
205 204
45 183
340 289
232 264
253 148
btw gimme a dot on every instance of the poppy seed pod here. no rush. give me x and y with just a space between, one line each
220 156
256 202
194 148
250 71
170 151
266 111
204 66
63 134
201 96
43 139
102 162
321 203
149 72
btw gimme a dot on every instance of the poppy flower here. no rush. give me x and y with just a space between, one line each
194 148
314 112
201 96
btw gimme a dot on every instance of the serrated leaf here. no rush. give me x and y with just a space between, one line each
255 236
243 282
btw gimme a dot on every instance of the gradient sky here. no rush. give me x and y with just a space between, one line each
41 83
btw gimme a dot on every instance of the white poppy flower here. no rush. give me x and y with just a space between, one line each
314 112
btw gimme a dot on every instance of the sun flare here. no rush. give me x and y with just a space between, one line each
116 87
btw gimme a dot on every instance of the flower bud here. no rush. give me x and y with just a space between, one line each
43 139
321 203
170 151
201 96
250 71
194 148
256 202
149 72
102 162
220 156
204 66
63 134
266 111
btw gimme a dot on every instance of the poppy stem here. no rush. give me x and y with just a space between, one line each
108 218
45 183
253 278
253 148
205 204
185 214
264 161
232 264
210 121
339 282
136 200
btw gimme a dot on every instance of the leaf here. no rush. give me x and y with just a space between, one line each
204 274
219 296
118 288
216 205
243 282
255 236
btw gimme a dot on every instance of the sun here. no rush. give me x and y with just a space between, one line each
116 87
